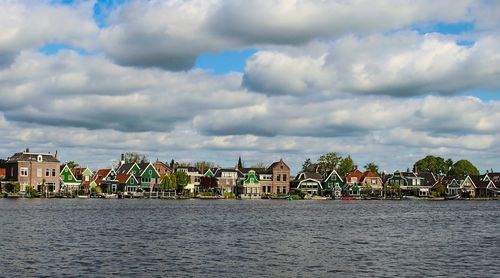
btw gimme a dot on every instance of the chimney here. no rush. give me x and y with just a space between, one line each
55 155
122 160
27 150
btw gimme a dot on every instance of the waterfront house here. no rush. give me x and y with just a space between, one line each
309 182
228 179
333 184
84 175
145 173
194 178
69 182
353 181
475 186
106 180
250 186
128 183
452 185
280 177
38 170
372 180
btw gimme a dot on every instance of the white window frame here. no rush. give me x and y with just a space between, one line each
23 169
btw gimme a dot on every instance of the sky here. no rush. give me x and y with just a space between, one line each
387 81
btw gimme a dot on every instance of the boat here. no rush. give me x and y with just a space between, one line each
111 196
281 197
410 198
83 196
320 198
452 197
348 199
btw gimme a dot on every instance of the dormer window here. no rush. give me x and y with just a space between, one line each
39 158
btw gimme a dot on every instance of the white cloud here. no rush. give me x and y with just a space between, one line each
400 64
31 24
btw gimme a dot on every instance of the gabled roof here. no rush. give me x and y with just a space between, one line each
125 168
494 176
77 171
219 172
276 163
309 175
409 175
101 175
144 167
478 181
369 174
257 170
429 179
124 178
354 174
25 156
65 166
331 173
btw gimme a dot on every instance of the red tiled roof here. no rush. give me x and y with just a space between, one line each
369 174
78 171
100 175
122 178
356 173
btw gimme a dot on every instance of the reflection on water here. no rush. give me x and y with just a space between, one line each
249 238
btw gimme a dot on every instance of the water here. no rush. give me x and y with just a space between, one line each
202 238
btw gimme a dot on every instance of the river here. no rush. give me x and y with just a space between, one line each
232 238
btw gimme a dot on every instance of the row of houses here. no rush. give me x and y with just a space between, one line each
43 172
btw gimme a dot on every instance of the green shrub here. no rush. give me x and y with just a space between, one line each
207 194
295 197
301 194
229 195
30 191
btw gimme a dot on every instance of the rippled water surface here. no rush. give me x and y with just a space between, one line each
249 238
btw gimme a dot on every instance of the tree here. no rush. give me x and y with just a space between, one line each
203 166
12 187
131 157
434 164
208 183
72 164
2 163
182 180
372 167
366 190
168 183
345 166
463 168
438 190
328 162
259 165
393 189
306 164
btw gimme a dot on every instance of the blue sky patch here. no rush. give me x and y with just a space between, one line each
224 62
54 48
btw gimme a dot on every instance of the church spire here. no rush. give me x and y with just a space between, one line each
240 165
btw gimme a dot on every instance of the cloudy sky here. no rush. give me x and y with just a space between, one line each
386 81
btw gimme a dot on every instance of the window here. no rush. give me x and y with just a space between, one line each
284 177
150 172
373 181
87 178
24 172
53 172
47 172
39 158
132 181
39 172
278 177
